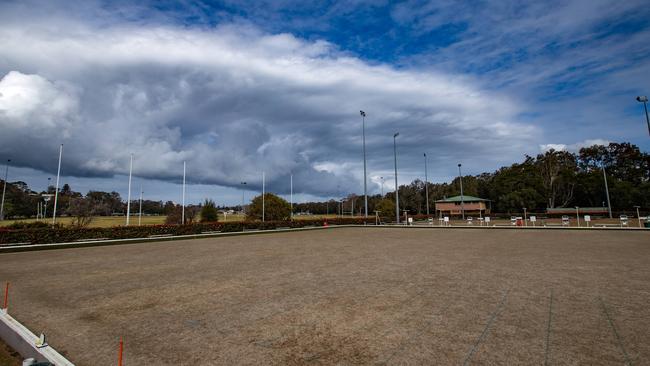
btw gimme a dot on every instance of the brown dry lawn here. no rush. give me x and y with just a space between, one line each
346 296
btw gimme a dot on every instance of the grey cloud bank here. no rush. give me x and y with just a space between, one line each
233 102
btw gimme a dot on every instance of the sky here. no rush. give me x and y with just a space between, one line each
238 88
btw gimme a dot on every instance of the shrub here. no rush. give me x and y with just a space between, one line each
209 211
275 208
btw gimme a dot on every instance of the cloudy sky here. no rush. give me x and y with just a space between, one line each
235 88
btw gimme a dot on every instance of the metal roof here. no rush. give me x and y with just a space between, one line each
465 199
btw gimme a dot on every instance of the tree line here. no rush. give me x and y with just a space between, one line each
549 180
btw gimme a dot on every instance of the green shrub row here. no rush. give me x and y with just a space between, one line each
68 234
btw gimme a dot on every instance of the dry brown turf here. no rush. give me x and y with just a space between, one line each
346 296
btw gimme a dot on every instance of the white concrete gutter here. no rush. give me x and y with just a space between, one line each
23 341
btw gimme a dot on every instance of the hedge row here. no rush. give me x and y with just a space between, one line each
69 234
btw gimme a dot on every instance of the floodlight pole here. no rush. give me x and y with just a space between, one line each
291 198
4 189
263 194
609 205
638 216
183 209
396 186
426 183
462 202
56 189
643 99
578 215
128 199
242 196
382 186
365 179
140 214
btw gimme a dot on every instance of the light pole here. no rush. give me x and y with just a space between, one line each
462 202
183 209
643 99
140 214
609 205
426 183
578 215
525 221
365 183
56 189
242 196
382 186
4 189
128 199
638 216
263 194
396 186
291 198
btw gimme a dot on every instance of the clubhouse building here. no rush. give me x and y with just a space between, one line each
472 205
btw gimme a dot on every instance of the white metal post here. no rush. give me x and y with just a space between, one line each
4 189
291 198
426 183
183 209
56 189
263 194
140 213
128 199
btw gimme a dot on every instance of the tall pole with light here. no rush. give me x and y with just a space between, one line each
4 190
609 205
56 189
140 213
644 99
396 186
263 194
365 179
462 200
183 209
242 196
638 216
426 183
291 197
128 199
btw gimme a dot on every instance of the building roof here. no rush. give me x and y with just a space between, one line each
465 199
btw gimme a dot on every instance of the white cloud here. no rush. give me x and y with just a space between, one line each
232 102
575 147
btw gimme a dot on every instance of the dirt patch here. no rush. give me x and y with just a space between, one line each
345 296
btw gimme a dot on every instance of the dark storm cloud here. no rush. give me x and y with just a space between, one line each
233 102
